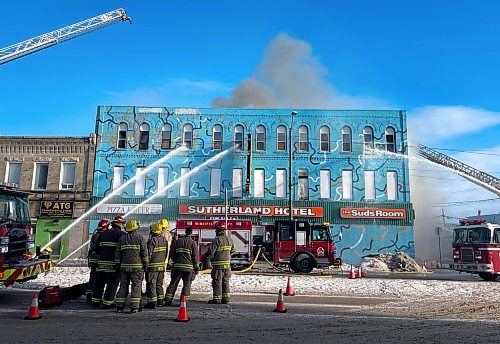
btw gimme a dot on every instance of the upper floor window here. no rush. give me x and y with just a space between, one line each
281 138
187 135
166 136
303 184
390 139
13 174
144 136
303 138
122 135
217 137
41 175
368 138
238 137
260 138
324 139
68 175
346 139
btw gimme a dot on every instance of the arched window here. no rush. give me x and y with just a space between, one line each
122 135
144 136
166 136
346 139
217 137
238 137
368 138
187 135
281 138
390 139
260 138
324 139
303 138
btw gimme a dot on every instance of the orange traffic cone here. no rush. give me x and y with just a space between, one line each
33 312
351 273
280 306
360 273
289 289
182 317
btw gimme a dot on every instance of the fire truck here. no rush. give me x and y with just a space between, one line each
17 263
299 245
476 248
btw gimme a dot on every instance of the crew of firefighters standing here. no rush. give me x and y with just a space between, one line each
120 258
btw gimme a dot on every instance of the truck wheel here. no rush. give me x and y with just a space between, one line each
488 276
302 263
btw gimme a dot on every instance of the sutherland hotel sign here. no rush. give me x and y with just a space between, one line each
248 210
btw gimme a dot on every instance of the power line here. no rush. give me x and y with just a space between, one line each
466 202
458 180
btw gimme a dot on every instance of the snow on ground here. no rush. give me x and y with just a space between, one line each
313 285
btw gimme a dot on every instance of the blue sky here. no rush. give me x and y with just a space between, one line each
436 59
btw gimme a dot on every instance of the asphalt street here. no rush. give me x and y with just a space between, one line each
249 318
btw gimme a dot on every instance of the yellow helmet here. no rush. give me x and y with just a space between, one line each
164 223
156 228
48 250
132 225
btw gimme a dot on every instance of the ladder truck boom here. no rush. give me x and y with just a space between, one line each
64 34
483 179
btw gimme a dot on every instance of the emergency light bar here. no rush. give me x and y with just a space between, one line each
471 222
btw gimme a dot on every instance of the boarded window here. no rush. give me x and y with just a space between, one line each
237 182
303 185
392 186
258 187
140 182
347 184
118 178
324 181
162 178
369 184
184 187
215 175
280 183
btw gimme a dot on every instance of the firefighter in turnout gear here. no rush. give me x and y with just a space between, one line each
92 256
132 259
155 273
219 253
106 271
184 255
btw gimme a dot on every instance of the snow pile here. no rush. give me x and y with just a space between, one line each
398 262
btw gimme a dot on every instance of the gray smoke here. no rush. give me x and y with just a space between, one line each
290 76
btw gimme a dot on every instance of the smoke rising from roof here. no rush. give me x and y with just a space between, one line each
290 76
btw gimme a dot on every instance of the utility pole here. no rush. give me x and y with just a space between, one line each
290 173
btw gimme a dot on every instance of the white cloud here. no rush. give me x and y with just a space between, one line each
433 124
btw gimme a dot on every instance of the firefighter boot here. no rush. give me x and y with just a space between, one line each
168 302
214 302
150 305
120 309
135 310
159 303
111 306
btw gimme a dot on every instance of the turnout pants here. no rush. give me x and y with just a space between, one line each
220 284
133 278
102 280
154 286
90 284
175 278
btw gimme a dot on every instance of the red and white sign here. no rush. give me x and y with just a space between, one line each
373 213
248 210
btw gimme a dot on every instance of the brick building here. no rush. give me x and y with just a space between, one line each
57 172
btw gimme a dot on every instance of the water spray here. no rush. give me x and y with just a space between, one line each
119 189
185 176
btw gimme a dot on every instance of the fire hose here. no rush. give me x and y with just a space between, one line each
207 271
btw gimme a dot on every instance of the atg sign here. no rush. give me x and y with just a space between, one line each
56 209
373 213
248 210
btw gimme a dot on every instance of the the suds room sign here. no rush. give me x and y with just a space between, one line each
372 213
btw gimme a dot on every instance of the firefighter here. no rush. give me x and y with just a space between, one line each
155 273
132 258
219 253
184 255
166 233
92 255
106 272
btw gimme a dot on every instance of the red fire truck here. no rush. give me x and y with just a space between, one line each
16 238
297 244
476 248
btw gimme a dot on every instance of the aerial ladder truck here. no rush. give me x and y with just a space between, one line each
64 34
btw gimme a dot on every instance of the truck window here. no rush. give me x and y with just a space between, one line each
480 235
496 237
319 233
286 233
460 236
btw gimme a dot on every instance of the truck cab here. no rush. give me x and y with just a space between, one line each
300 245
476 248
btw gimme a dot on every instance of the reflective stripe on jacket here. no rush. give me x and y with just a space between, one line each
105 248
157 252
92 254
220 251
184 253
132 252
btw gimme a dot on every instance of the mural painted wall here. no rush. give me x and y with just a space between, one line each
338 156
